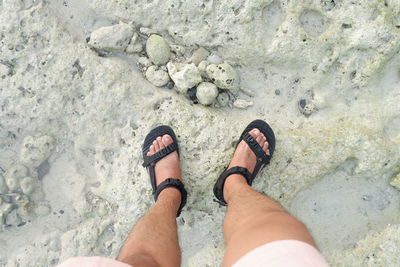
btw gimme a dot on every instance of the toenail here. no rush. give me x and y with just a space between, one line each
256 131
166 138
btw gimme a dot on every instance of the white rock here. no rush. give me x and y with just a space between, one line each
206 93
36 149
223 99
185 76
203 68
199 55
28 185
242 104
214 59
157 76
224 76
158 49
147 31
178 49
144 62
135 46
115 37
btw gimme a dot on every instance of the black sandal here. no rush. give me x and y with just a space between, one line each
150 162
262 158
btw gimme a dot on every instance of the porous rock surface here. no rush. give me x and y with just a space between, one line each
91 188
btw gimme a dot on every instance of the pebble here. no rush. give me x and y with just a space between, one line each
223 76
115 37
242 104
306 107
13 218
147 31
203 68
191 93
135 46
214 59
199 55
206 93
36 149
157 76
158 49
185 76
144 62
178 49
223 99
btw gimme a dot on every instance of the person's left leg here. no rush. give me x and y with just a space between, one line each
154 240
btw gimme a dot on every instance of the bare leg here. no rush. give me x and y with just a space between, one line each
154 240
254 219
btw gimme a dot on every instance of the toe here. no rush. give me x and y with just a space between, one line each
156 146
151 151
260 140
160 143
167 140
254 133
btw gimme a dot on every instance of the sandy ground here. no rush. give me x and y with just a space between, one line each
72 123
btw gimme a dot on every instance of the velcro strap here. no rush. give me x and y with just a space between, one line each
175 183
256 148
153 159
219 186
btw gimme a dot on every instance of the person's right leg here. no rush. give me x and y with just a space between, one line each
253 219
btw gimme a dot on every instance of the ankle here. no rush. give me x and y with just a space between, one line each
170 195
233 184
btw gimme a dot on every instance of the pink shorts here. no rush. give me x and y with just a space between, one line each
283 253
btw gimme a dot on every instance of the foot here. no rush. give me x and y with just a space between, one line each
167 167
244 157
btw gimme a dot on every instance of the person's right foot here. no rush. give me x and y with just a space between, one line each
244 157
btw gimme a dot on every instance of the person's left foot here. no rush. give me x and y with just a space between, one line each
167 167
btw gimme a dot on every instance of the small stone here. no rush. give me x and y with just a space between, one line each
157 76
158 49
135 46
206 93
214 59
203 68
306 107
28 185
185 76
170 85
199 55
144 62
277 92
116 37
147 31
242 104
223 99
223 76
178 50
191 93
395 182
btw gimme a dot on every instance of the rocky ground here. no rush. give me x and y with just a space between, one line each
82 82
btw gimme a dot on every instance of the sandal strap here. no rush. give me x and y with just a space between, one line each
153 159
219 186
262 157
176 183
